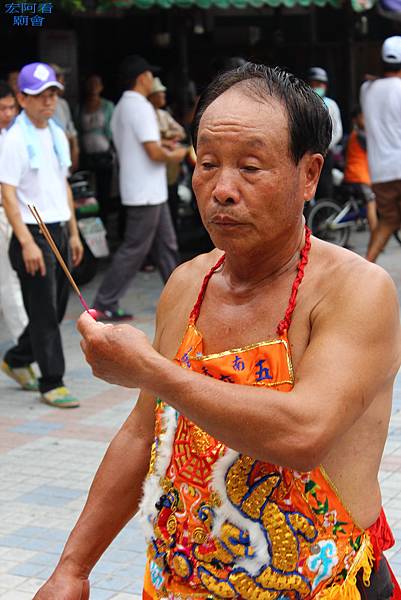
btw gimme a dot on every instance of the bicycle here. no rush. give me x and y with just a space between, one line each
333 222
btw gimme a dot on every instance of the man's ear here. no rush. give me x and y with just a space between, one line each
312 167
21 99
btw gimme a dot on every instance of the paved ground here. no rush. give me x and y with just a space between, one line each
48 458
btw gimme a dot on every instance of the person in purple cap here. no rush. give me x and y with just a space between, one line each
34 164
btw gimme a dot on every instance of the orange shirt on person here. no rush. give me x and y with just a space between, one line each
356 161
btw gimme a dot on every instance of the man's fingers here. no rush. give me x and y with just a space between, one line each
87 325
42 267
77 256
30 267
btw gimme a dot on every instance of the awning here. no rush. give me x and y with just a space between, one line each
107 4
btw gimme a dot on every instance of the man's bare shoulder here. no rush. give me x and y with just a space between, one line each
179 297
351 285
341 266
191 273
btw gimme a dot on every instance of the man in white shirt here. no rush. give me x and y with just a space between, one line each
11 302
143 190
319 81
34 163
381 105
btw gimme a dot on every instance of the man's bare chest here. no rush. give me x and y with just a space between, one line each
226 323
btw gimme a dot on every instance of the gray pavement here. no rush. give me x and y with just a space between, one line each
48 458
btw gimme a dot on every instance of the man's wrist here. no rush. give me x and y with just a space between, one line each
73 566
156 370
26 241
73 228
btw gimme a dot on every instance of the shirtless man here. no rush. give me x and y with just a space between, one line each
251 486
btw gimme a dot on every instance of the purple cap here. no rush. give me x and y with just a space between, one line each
36 77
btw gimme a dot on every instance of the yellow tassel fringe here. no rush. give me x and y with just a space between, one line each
348 590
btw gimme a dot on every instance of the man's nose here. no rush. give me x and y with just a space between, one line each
226 188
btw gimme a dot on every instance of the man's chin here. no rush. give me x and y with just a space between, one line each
227 239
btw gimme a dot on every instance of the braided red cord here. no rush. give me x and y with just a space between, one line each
286 322
196 309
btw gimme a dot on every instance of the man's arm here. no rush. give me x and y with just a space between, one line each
337 124
112 501
174 130
350 358
160 153
31 253
74 150
77 249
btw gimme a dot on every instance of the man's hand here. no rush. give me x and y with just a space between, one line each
178 154
77 250
33 258
118 354
64 587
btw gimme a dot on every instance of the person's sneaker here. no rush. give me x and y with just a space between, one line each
60 397
25 376
107 316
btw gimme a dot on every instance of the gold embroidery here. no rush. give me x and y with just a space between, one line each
236 479
152 462
166 484
205 357
282 539
212 582
171 525
200 441
253 504
181 566
199 536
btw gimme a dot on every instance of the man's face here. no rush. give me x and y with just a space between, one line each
248 188
320 87
147 81
8 110
158 99
12 80
39 108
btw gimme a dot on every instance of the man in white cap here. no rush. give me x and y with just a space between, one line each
381 105
34 163
171 133
319 81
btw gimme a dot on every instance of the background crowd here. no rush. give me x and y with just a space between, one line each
139 155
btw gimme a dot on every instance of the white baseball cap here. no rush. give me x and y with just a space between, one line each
391 49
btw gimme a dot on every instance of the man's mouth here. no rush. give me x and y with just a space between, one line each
224 221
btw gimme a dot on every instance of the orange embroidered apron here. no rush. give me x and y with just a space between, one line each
224 525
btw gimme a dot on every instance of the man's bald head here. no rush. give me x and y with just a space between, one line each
309 122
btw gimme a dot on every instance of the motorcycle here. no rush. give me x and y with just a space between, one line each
91 228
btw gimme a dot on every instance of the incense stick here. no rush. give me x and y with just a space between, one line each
57 254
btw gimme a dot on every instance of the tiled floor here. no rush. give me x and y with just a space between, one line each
48 459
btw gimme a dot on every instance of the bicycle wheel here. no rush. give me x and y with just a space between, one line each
320 221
